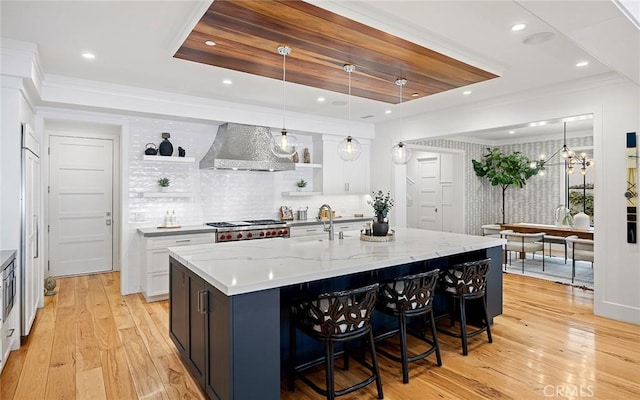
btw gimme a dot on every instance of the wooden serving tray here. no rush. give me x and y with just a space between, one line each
390 237
169 227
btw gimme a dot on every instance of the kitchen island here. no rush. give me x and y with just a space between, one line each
228 311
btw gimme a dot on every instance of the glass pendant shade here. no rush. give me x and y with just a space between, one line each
284 145
349 149
400 154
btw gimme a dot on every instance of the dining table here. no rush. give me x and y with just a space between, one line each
552 230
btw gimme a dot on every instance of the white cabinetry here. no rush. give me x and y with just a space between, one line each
154 265
316 229
338 176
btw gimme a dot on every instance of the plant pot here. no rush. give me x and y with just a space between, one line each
164 189
380 228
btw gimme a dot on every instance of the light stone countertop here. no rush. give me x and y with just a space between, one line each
5 257
253 265
183 230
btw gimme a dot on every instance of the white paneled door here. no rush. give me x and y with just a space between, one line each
430 213
80 205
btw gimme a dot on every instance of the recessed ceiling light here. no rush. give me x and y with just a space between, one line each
466 92
388 111
227 82
89 56
210 43
320 99
582 64
415 94
518 27
512 132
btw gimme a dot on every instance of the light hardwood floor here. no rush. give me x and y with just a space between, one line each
89 342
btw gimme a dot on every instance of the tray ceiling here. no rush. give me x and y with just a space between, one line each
247 34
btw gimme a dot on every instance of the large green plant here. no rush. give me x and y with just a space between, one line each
504 170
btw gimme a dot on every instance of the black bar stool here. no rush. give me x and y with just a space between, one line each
407 297
461 283
337 317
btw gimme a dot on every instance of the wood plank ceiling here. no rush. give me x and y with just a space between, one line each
247 34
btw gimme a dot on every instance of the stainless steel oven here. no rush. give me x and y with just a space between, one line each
8 288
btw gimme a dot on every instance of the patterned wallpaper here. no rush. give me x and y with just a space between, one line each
536 202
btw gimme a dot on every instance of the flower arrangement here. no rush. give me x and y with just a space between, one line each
381 203
163 182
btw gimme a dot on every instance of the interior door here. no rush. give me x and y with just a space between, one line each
80 205
429 214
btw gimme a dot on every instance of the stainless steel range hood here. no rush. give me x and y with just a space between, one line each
244 147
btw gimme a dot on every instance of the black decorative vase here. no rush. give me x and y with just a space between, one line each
380 227
166 148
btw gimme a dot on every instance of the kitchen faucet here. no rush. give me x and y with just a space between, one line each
330 229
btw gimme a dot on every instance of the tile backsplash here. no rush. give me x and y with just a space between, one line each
215 195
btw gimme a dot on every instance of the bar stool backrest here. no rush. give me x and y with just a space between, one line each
411 292
338 314
468 279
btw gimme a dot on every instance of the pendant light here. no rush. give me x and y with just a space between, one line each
400 153
284 145
349 149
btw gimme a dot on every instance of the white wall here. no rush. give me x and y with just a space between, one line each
615 105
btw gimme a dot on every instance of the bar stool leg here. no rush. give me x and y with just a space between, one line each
374 362
463 326
403 348
329 371
435 339
486 318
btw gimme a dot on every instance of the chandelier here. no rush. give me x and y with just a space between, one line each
568 158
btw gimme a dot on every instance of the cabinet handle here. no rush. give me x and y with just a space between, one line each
35 219
311 230
202 301
11 332
183 241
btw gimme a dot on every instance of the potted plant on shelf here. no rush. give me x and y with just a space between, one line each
164 184
300 184
504 170
381 204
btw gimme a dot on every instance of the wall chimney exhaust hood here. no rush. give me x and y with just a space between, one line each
244 147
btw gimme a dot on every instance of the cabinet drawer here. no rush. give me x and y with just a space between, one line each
157 261
298 231
180 240
158 284
349 226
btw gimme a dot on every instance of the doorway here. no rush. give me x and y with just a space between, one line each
82 214
434 192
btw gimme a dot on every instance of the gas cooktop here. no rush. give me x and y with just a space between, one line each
228 231
246 223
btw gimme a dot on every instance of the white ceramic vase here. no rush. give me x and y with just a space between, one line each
581 221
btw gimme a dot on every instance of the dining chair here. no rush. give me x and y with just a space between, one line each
523 243
580 250
492 230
